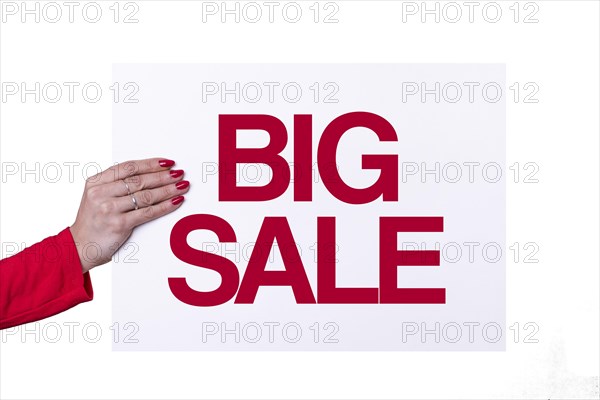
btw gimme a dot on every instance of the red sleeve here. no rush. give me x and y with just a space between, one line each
42 280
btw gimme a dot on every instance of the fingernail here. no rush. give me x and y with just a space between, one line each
182 185
177 200
176 173
166 163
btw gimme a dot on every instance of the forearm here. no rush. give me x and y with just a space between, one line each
42 280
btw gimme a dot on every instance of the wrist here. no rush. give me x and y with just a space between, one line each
80 245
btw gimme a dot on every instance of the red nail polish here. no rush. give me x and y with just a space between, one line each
177 200
182 185
166 163
176 173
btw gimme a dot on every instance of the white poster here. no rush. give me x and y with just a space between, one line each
292 247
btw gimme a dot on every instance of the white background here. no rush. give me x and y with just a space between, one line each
560 213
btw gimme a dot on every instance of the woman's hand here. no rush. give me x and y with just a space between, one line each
117 200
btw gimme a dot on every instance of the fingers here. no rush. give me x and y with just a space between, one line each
130 168
146 214
146 181
149 197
